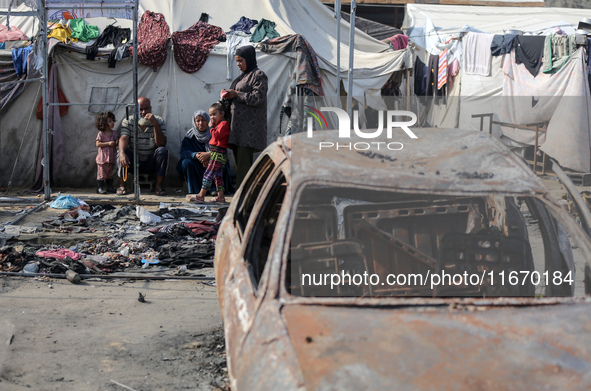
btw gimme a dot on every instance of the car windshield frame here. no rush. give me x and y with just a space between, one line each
566 221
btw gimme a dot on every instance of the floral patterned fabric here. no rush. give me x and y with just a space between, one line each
153 33
192 46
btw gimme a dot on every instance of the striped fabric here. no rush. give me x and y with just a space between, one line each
442 73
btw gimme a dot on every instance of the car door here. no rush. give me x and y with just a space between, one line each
239 289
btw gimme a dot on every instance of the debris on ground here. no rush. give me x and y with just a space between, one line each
102 239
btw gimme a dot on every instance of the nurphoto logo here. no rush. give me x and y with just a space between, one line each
394 121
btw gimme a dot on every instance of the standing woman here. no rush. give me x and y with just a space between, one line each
248 97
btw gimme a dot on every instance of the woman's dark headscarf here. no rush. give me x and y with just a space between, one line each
249 55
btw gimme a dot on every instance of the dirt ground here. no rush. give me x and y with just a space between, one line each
97 335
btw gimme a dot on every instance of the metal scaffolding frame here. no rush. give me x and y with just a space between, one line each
41 13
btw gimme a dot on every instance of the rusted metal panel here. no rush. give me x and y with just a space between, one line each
356 348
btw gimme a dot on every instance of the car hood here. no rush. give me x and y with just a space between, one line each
443 348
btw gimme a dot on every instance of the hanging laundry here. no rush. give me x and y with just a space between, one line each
502 44
62 33
442 73
192 46
244 24
19 59
153 33
529 51
477 54
82 31
398 41
234 41
420 75
453 70
12 34
557 51
265 28
111 35
307 71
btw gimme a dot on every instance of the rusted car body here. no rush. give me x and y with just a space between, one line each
450 202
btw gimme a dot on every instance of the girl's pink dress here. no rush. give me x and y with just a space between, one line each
106 155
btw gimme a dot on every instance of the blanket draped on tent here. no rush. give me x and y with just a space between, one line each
192 46
307 72
152 34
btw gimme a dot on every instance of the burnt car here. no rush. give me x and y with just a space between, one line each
445 264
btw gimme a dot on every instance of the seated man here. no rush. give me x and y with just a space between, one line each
151 151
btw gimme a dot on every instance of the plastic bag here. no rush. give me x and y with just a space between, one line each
146 217
64 202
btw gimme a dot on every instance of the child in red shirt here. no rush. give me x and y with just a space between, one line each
218 145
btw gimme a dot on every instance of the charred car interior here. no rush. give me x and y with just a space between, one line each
427 240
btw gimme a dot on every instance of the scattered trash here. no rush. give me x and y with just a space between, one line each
146 217
65 202
60 253
73 277
31 268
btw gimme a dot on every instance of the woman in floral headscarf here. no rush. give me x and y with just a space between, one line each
194 154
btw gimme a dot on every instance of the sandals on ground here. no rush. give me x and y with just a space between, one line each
160 192
195 198
121 191
217 200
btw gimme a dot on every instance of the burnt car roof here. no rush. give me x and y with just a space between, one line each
447 159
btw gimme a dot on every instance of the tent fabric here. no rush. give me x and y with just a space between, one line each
562 99
450 19
175 94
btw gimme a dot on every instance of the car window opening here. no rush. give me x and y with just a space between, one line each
349 242
252 189
261 238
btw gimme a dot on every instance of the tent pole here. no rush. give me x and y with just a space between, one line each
46 161
351 53
408 90
337 8
136 188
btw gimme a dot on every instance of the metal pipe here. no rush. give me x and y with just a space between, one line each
351 53
35 209
88 104
136 169
108 276
21 13
338 17
6 83
46 159
109 7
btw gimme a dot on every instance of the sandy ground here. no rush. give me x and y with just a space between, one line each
96 335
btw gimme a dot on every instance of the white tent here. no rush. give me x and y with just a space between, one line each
564 95
175 94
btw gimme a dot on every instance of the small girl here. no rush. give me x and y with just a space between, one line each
218 144
106 158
